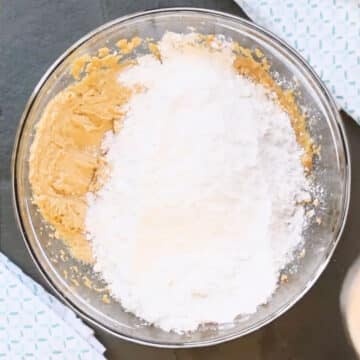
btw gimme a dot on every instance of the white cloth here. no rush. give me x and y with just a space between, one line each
34 324
326 33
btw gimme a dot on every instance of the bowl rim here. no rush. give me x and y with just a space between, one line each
329 102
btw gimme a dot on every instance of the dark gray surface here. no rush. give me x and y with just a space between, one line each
33 33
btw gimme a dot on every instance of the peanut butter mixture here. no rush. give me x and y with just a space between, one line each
66 161
65 155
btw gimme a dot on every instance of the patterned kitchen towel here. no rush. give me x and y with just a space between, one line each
326 33
35 325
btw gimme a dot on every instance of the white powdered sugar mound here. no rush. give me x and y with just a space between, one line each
199 214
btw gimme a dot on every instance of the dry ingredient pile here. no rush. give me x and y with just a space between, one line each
199 213
180 175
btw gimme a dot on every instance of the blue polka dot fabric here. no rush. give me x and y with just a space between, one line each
35 325
326 33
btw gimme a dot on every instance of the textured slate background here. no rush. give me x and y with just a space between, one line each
33 33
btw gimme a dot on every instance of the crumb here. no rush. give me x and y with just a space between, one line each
136 41
155 50
63 256
105 299
100 289
259 53
301 254
74 269
304 198
79 65
87 282
317 150
310 213
103 52
126 47
75 282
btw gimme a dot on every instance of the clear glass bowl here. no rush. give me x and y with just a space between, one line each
332 172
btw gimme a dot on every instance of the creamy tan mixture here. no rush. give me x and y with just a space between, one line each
65 156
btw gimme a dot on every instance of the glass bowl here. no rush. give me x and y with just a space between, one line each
331 171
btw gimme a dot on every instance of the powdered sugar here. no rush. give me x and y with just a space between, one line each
199 214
